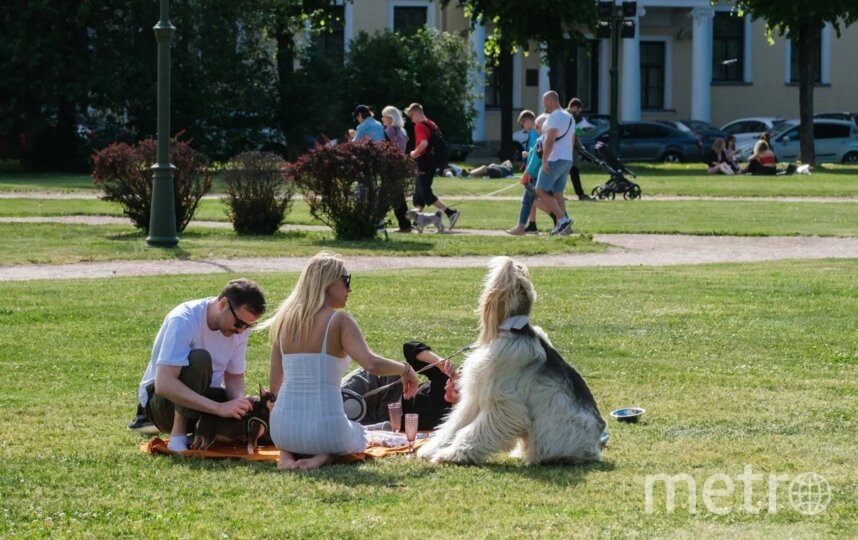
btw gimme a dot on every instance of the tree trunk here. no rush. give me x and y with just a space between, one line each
505 67
285 71
806 70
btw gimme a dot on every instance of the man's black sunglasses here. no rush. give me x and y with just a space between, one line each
239 324
347 279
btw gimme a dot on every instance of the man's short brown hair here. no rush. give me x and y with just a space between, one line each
244 292
414 107
575 102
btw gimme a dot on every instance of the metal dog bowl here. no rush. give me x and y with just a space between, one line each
629 414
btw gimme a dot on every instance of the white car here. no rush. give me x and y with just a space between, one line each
749 129
836 141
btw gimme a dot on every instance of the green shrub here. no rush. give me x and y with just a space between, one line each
257 196
124 173
352 186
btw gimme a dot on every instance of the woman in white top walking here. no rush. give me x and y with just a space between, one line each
311 346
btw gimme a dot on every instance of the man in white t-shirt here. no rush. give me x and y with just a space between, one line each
198 362
558 133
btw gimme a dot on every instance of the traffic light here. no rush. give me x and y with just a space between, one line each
630 9
605 10
628 29
603 29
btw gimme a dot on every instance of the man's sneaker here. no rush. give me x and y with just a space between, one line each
568 230
454 217
561 227
531 229
142 423
586 198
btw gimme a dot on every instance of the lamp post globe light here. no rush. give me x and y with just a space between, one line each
162 220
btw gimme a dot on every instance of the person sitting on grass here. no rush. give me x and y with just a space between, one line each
763 161
312 344
198 362
717 159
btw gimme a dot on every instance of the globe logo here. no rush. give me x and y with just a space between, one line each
809 494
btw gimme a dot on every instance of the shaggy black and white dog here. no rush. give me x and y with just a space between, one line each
517 393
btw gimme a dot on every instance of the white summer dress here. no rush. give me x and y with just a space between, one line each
308 415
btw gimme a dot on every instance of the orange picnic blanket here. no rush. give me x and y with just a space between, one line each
268 453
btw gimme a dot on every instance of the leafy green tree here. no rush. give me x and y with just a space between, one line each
802 22
428 67
555 25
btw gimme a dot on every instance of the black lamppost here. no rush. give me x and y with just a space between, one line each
615 22
162 219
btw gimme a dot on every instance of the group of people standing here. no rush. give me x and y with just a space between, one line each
392 128
198 365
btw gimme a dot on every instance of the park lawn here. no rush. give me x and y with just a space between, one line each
50 243
655 179
736 365
766 218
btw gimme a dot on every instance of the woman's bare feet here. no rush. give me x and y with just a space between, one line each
312 463
286 461
518 230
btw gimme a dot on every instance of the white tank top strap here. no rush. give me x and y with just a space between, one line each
325 339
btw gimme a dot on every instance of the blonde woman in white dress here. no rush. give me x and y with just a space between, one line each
311 346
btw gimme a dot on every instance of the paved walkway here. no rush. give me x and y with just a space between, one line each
624 250
90 195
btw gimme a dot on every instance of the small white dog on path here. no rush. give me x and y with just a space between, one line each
516 391
421 220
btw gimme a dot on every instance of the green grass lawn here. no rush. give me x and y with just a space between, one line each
644 216
655 179
736 365
48 243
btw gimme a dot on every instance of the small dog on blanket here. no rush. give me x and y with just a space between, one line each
516 391
252 428
421 220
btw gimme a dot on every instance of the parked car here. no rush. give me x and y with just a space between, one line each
848 116
649 141
836 141
705 132
749 129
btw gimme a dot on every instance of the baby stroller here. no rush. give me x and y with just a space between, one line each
618 184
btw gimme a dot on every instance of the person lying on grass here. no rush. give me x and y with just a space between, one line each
432 401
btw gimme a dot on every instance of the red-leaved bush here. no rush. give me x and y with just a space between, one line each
352 186
125 175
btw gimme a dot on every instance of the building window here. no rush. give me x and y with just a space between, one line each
652 74
817 61
531 77
728 43
407 20
331 39
492 98
582 75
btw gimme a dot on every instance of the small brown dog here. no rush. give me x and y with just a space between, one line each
252 428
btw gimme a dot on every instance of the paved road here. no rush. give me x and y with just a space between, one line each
625 250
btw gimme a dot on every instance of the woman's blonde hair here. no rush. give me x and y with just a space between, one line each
395 116
295 316
760 146
507 292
